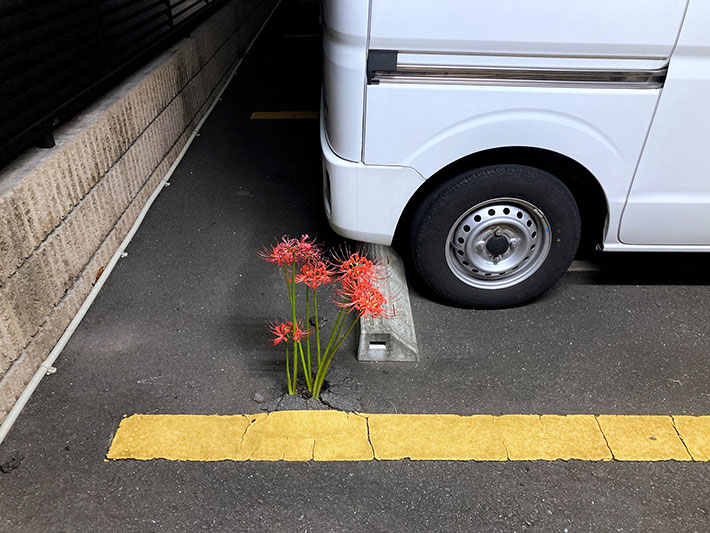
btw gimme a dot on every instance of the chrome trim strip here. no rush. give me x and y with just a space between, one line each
455 75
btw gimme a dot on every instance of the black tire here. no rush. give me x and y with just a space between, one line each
447 261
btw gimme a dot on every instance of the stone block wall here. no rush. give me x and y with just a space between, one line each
65 211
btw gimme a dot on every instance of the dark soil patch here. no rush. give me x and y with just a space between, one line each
340 391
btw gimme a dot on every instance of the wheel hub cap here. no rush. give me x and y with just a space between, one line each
498 243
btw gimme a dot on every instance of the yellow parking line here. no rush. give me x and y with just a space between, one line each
340 436
285 115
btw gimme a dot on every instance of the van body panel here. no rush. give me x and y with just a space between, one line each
344 57
644 143
364 202
427 128
591 28
669 202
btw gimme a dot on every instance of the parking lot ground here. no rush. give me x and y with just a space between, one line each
179 328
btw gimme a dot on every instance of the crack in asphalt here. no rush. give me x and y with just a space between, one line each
369 438
251 423
680 437
606 441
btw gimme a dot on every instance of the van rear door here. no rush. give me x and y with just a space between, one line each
669 202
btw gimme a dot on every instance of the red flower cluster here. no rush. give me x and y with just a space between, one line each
286 331
358 291
315 274
360 294
289 251
355 267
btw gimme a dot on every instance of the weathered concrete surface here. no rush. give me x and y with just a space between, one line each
390 338
64 211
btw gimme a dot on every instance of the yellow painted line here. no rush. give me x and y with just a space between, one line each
340 436
285 115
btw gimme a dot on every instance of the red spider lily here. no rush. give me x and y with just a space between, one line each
286 332
289 251
360 294
355 267
307 250
284 253
302 261
281 332
315 274
298 334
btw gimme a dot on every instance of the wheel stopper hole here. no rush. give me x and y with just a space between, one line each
529 223
491 212
519 215
460 240
506 211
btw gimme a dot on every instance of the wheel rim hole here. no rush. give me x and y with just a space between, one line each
532 247
460 252
529 223
467 228
465 263
534 234
519 215
491 212
460 240
506 211
528 257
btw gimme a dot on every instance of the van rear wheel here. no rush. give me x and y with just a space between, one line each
496 236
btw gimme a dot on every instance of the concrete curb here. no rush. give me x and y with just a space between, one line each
390 339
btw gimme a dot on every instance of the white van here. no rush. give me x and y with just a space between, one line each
490 136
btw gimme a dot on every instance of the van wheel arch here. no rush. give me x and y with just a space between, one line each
584 186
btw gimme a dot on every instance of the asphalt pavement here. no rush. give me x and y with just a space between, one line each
179 327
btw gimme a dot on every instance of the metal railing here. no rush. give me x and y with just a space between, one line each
57 55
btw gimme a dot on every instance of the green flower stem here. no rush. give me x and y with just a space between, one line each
288 372
333 334
315 309
309 382
288 284
309 369
323 369
295 369
342 339
292 295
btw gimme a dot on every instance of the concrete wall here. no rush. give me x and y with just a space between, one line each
64 211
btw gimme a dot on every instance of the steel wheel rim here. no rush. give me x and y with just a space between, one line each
498 243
